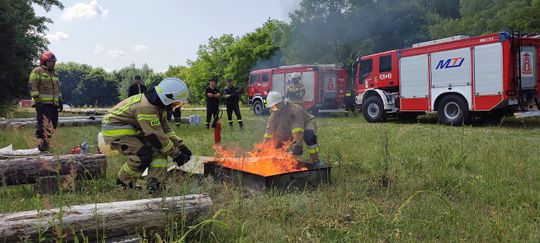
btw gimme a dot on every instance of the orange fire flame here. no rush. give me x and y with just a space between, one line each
264 160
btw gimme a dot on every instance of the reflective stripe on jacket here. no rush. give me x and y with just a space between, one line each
45 86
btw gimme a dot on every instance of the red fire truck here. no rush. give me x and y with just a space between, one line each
458 77
325 86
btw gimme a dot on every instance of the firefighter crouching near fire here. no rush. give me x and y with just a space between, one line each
296 89
290 121
138 128
46 98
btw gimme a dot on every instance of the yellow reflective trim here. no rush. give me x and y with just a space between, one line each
119 132
167 147
312 150
34 76
34 93
148 115
131 172
159 90
171 134
134 99
159 163
297 129
266 135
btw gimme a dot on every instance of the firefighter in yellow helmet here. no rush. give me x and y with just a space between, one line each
290 121
296 89
138 128
46 98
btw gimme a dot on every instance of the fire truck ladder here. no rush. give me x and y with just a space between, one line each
516 50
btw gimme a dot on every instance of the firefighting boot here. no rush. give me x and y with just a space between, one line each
314 157
154 186
129 185
241 124
43 145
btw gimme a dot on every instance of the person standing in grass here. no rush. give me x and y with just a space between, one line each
138 128
290 121
231 101
46 98
137 87
212 103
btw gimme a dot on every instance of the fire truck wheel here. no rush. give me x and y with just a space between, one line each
453 110
258 108
373 109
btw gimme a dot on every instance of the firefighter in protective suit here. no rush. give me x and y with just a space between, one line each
46 98
296 89
290 121
138 128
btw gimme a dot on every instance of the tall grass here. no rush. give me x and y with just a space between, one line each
470 183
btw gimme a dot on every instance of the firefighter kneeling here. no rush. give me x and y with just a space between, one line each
290 121
138 128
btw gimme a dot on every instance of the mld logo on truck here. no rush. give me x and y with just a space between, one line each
450 63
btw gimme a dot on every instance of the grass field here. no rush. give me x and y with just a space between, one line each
391 182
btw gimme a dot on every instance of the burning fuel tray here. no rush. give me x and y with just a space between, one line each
286 181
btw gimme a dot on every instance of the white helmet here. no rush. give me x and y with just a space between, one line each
273 98
296 75
172 90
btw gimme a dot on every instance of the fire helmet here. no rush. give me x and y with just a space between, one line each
296 75
273 98
172 90
46 56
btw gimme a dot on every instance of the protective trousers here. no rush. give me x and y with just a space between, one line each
233 107
47 121
211 111
140 156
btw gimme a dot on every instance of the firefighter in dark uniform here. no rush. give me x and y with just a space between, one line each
212 103
350 102
231 101
137 87
46 98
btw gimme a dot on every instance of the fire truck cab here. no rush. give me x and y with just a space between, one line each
324 85
457 77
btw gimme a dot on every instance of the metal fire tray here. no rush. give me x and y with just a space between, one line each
292 180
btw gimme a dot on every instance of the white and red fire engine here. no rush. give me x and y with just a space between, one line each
458 77
324 84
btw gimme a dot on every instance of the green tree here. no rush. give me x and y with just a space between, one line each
83 85
21 35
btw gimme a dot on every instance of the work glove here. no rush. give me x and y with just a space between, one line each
60 106
298 149
185 150
181 159
38 105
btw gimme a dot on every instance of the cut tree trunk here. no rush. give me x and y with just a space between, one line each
62 121
27 170
95 221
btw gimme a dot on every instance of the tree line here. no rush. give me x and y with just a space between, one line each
320 31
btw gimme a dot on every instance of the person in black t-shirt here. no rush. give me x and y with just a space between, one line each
231 101
212 103
137 87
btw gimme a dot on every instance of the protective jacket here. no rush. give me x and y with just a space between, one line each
289 119
296 92
137 116
45 86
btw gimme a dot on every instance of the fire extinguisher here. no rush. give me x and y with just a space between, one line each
217 128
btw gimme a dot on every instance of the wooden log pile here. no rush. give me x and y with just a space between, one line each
27 170
62 121
94 221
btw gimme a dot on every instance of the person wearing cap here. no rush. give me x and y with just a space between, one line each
46 98
138 128
212 103
231 101
291 122
137 87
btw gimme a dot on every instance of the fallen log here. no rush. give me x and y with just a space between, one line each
62 121
27 170
114 219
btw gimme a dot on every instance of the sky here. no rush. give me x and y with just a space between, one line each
113 34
